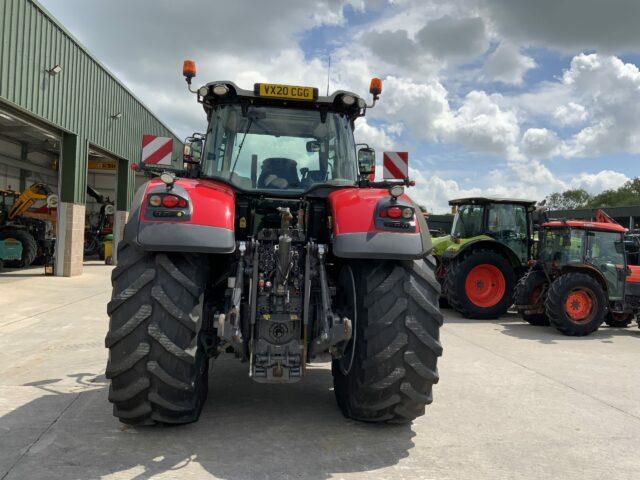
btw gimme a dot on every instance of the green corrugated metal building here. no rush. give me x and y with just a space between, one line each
86 105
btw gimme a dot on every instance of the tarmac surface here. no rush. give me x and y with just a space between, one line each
514 402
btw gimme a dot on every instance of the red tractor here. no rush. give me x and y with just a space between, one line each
580 278
274 245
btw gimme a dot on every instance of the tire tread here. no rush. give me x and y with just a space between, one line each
157 369
395 365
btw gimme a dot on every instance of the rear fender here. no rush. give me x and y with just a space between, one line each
588 270
357 234
205 226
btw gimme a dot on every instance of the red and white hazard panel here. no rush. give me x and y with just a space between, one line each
395 165
156 150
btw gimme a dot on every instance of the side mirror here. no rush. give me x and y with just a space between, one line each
192 151
313 146
366 161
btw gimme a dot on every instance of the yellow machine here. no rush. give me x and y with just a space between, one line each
35 230
26 200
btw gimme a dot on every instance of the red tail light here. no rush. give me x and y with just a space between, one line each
397 212
167 200
170 201
394 212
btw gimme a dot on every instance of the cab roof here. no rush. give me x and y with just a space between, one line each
585 225
239 95
487 200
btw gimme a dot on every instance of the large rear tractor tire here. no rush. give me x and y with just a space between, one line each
530 290
29 247
157 364
390 366
480 284
576 304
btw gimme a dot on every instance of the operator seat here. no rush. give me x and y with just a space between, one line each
276 169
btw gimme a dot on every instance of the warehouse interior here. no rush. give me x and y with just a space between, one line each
29 176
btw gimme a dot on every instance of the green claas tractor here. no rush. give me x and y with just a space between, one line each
580 278
480 262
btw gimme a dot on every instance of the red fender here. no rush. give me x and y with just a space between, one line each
206 225
211 203
355 234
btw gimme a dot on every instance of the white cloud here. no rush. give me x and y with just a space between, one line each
414 105
376 137
481 124
570 114
610 90
434 192
597 182
599 94
507 65
540 143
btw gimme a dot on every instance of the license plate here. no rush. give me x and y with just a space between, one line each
291 92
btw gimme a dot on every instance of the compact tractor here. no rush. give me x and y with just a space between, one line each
274 245
580 278
480 262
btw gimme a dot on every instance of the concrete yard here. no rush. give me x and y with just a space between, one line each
514 401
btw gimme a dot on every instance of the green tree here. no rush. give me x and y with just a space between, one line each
569 199
627 194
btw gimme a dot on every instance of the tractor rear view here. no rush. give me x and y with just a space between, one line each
275 246
580 278
481 261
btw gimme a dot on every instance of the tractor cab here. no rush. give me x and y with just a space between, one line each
506 220
279 139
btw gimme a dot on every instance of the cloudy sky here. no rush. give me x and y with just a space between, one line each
499 97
